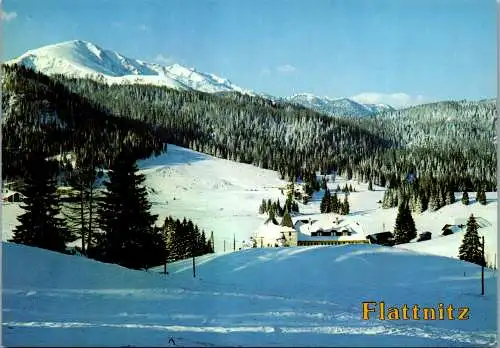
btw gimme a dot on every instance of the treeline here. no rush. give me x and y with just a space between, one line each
333 204
274 209
453 141
185 239
426 194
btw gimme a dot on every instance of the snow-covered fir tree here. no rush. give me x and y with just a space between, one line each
40 225
471 249
325 204
465 198
404 229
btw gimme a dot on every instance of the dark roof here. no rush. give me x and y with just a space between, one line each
382 234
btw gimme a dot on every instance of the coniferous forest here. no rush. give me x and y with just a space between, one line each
422 154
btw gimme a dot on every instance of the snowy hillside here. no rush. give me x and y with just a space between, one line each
338 106
248 298
84 59
223 196
374 219
218 195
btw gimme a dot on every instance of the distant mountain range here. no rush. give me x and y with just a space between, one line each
338 106
83 59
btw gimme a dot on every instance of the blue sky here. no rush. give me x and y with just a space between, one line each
396 51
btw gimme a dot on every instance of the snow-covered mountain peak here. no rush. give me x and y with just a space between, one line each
78 58
83 59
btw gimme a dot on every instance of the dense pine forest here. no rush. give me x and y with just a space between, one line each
449 141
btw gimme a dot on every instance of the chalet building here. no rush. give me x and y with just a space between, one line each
324 229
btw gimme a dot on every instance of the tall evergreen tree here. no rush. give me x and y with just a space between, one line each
434 201
471 249
335 204
287 220
404 230
344 210
81 217
272 217
450 196
325 202
481 198
129 238
262 207
465 198
39 225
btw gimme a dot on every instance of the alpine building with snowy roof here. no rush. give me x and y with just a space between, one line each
316 229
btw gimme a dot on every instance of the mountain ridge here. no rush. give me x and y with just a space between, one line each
84 59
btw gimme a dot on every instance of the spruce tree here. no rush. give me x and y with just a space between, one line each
404 230
272 217
39 225
129 237
387 199
434 201
287 220
325 202
334 203
262 207
450 197
80 217
465 198
482 197
471 249
345 206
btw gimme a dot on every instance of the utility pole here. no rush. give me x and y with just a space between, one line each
166 245
194 268
212 241
193 253
482 270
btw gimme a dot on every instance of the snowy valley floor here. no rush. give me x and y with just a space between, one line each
257 297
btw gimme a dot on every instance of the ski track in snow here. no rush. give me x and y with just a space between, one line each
457 336
332 320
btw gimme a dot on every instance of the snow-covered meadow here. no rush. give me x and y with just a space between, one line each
304 296
223 196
